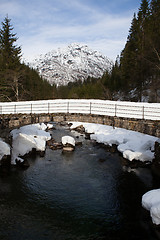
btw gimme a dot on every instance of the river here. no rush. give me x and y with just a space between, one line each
84 195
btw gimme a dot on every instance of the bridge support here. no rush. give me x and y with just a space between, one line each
140 125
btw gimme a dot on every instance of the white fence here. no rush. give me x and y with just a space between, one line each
98 107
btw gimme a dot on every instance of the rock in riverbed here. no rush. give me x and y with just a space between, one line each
68 143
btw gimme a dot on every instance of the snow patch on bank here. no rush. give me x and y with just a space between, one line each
28 137
151 202
4 149
133 145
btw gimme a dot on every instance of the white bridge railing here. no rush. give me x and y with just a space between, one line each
98 107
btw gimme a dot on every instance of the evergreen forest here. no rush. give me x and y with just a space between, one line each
135 75
17 80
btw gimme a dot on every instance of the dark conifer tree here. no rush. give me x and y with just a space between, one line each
10 53
18 81
142 64
155 29
10 60
154 50
128 61
114 81
135 63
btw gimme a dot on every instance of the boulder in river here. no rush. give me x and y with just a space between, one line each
54 145
79 129
68 140
68 143
68 148
22 163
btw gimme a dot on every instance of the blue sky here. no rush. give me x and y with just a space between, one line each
44 25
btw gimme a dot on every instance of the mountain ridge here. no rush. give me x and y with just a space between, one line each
70 64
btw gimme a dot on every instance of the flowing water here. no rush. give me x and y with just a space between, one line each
84 195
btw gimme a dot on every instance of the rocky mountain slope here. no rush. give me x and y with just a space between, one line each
70 64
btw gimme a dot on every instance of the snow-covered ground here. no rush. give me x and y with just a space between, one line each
133 145
28 137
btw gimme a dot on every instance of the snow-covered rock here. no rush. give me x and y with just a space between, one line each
70 64
33 129
155 213
151 198
4 149
133 145
28 137
151 202
49 126
68 140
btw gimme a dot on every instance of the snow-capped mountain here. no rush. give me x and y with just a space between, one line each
70 64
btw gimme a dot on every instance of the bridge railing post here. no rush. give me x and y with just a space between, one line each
143 112
15 108
48 107
115 110
90 108
67 107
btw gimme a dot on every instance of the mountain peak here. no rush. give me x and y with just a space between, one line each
70 64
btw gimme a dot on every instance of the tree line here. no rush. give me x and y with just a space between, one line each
136 72
17 80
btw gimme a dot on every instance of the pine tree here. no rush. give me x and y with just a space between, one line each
10 62
135 67
154 37
17 80
154 53
10 53
129 56
142 64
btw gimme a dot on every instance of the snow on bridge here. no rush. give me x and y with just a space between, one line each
138 110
